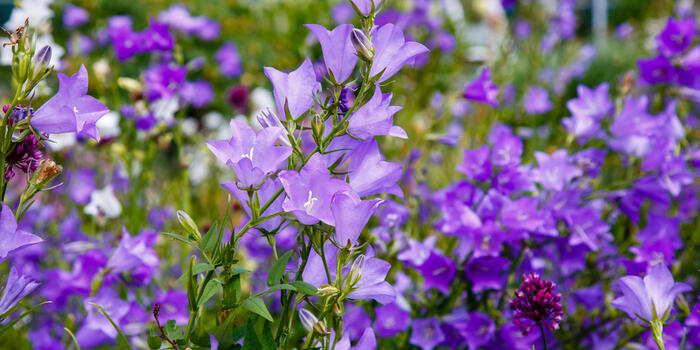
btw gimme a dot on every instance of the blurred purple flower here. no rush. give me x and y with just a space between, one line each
229 60
199 93
482 89
74 16
391 319
426 333
11 238
16 288
553 171
676 36
536 101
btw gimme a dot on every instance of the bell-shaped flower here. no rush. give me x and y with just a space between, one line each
252 155
365 6
392 52
310 192
71 109
295 89
370 174
376 117
351 214
133 252
11 238
482 89
16 288
649 298
554 171
676 36
338 52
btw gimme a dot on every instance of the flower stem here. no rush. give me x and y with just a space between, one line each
657 329
544 338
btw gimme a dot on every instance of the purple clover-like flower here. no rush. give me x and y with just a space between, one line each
536 304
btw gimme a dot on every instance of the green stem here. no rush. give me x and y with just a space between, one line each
544 338
657 330
190 323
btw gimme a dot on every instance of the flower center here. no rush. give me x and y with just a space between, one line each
310 202
249 155
75 109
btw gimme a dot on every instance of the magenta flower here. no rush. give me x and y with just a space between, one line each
676 36
338 52
310 192
392 52
536 304
482 89
12 238
650 298
376 117
71 109
295 89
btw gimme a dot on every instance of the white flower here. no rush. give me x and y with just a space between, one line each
103 202
109 125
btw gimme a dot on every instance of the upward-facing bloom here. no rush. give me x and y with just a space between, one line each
392 52
252 155
587 110
11 238
482 89
338 52
376 117
310 191
554 171
476 164
656 70
71 109
426 333
676 36
536 304
295 89
17 287
649 298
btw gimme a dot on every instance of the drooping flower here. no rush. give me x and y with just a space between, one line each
482 89
426 333
338 52
295 89
16 288
553 171
310 191
649 298
367 341
71 109
536 304
12 238
676 36
392 52
375 118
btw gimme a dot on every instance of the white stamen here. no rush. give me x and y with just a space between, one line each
310 202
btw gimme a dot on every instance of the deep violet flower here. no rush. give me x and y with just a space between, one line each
12 238
294 90
16 288
392 52
391 319
71 109
656 70
536 304
482 89
338 52
650 298
486 272
438 271
676 36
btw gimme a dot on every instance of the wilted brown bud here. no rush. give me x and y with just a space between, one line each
47 171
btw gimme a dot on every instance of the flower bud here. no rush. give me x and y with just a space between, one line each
47 171
268 119
317 127
327 289
40 63
363 46
188 225
308 320
356 270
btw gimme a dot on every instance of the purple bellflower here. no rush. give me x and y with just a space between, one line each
587 110
391 319
554 171
365 6
537 101
656 70
650 298
426 333
367 341
294 90
16 288
392 52
229 60
252 155
338 52
476 164
370 174
676 36
310 192
482 89
133 252
351 214
12 238
375 118
71 109
74 16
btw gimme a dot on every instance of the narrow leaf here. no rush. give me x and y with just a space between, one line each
26 313
306 288
277 270
121 338
75 341
209 291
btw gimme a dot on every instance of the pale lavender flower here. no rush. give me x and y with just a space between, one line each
294 90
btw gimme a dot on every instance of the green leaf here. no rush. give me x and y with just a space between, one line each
154 342
251 340
232 291
196 269
277 270
256 305
209 291
121 338
26 313
268 342
209 239
192 285
179 238
279 287
306 288
173 331
72 336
